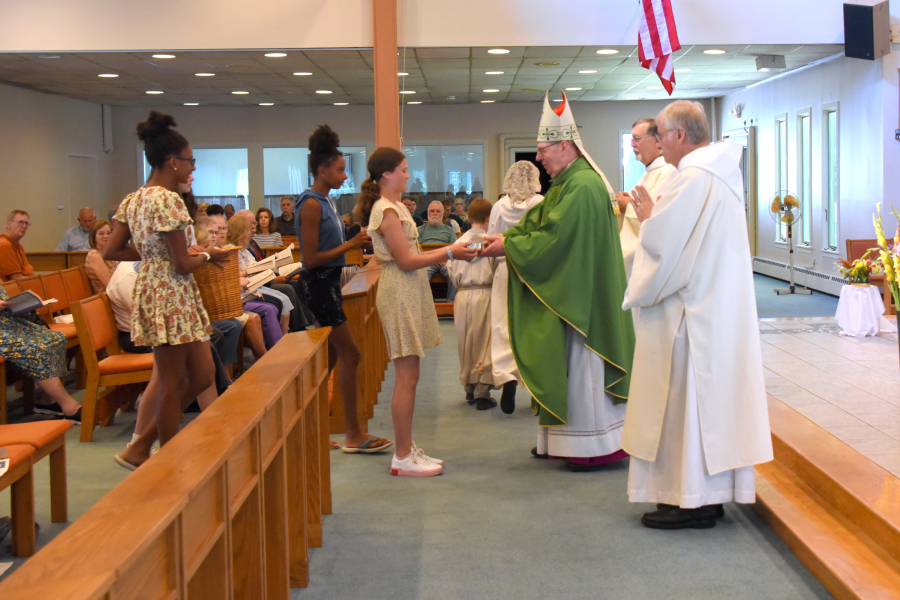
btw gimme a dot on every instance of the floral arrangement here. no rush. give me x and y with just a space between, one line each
860 270
888 253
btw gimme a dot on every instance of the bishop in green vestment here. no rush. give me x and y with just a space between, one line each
572 342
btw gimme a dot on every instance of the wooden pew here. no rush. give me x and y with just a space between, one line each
359 306
55 261
443 309
226 510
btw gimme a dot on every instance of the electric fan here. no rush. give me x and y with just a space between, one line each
785 209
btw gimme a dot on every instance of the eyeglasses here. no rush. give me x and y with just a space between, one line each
543 150
191 160
661 134
637 138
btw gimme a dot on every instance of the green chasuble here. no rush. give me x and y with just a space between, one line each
566 266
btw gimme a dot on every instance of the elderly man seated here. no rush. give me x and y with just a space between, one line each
436 232
13 262
76 238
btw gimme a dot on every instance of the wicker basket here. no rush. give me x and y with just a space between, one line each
220 288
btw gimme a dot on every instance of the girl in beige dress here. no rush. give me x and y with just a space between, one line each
404 300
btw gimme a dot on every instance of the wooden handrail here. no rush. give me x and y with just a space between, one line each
226 509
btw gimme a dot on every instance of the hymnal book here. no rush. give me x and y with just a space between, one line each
259 280
284 257
290 270
26 302
259 266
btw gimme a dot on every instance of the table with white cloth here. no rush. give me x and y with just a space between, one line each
860 310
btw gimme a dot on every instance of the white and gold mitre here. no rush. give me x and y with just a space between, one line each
557 125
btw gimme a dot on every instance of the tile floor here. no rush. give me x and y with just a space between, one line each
848 386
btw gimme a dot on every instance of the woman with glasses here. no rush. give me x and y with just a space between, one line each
168 312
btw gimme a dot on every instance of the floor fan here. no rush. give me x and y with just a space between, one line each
785 209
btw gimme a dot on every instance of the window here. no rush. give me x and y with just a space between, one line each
781 170
804 177
286 173
444 172
632 168
220 178
831 176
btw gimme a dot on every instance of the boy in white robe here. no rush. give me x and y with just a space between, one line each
472 312
697 418
521 184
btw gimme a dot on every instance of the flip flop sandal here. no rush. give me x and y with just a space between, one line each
124 463
368 446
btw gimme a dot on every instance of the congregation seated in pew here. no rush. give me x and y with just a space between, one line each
435 231
78 237
98 270
13 262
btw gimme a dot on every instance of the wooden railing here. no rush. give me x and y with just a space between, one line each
55 261
359 305
226 510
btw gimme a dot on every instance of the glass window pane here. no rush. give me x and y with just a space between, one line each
286 173
781 168
220 178
832 179
444 172
632 168
805 182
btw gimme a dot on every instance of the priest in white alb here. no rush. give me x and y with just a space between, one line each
697 419
646 150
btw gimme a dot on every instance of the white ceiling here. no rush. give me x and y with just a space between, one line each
435 74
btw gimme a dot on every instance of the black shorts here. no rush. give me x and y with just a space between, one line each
320 290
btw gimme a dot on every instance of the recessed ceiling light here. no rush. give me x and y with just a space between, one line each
546 63
608 51
275 54
487 101
240 93
107 75
323 91
588 71
493 72
713 52
682 70
341 103
302 73
407 92
416 102
48 55
573 89
204 74
558 100
654 87
192 104
402 74
489 91
498 51
154 92
532 90
163 56
267 104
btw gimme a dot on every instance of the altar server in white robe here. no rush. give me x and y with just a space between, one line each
697 419
646 150
472 312
521 184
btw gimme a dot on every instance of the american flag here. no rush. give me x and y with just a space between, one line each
658 39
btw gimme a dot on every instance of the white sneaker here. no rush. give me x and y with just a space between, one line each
415 465
420 452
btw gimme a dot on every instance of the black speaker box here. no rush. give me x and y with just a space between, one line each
867 29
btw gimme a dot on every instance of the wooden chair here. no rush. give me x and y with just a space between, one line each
97 330
78 287
20 479
439 286
48 438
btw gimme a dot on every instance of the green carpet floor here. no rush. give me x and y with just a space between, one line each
770 305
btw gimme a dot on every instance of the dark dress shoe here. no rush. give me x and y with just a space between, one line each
535 454
508 397
485 403
673 517
718 510
470 398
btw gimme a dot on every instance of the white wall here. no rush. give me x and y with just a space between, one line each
40 131
82 25
258 127
868 157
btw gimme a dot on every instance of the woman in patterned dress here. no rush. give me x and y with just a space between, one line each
404 299
98 270
37 353
168 312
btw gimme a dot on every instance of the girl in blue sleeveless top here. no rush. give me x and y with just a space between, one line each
321 236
